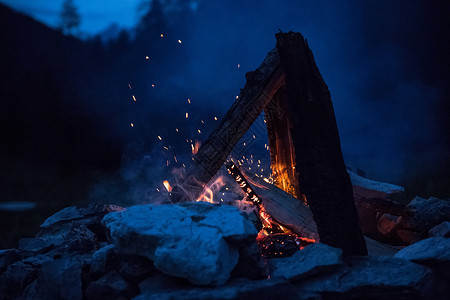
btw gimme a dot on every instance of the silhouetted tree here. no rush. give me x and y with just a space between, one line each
70 18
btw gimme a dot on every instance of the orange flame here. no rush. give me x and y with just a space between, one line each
208 192
195 147
167 185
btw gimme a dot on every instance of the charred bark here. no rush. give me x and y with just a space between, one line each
322 175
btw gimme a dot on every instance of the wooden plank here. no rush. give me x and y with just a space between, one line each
285 208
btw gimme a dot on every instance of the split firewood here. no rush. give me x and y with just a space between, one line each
260 87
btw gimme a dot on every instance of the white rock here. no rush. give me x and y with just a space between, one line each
434 250
442 229
191 240
388 188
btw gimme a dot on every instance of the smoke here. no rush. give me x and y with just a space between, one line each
383 61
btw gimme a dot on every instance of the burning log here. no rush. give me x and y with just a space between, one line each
261 85
275 239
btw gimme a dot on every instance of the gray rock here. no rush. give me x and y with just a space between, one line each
100 262
92 213
433 251
58 279
7 257
14 280
311 259
110 286
442 229
276 288
72 236
429 212
131 267
388 223
39 259
380 277
387 188
35 244
193 240
64 215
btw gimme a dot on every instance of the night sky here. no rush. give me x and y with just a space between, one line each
385 62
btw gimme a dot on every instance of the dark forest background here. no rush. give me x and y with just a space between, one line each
66 104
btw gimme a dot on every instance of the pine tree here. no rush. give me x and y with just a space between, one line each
69 18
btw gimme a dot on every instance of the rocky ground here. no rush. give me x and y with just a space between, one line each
204 251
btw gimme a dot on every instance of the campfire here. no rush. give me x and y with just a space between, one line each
193 248
311 194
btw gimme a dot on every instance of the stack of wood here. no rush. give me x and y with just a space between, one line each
307 141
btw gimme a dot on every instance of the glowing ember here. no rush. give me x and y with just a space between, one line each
274 239
179 42
167 185
147 57
134 98
131 124
160 138
195 147
187 115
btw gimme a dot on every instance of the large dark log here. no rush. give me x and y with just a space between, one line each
260 87
322 175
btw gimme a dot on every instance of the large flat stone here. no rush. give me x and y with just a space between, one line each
195 241
311 259
434 250
378 277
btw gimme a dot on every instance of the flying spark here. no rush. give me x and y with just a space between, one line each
159 138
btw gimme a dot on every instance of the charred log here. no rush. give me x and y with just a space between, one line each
322 174
260 87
